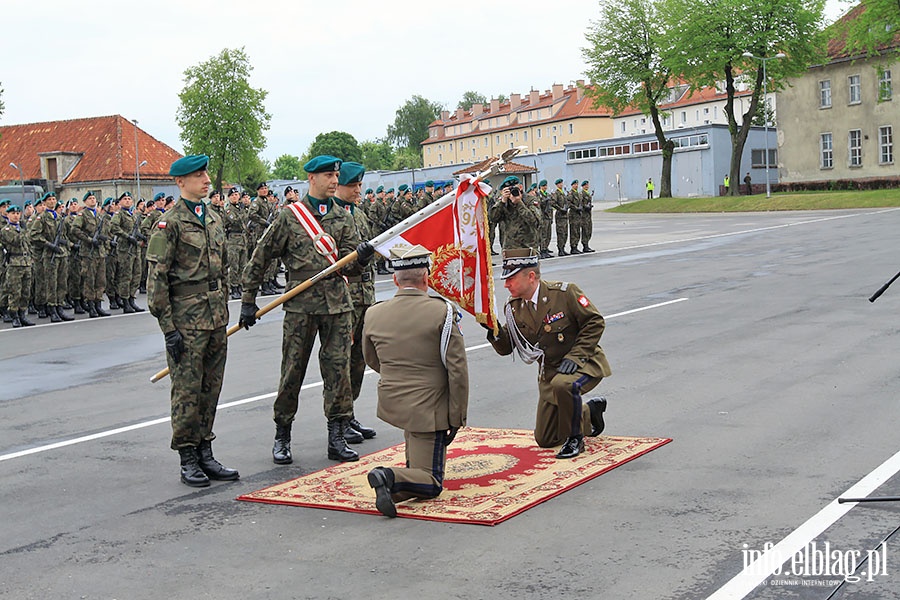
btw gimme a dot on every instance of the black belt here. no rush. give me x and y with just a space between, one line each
186 289
235 233
16 254
360 278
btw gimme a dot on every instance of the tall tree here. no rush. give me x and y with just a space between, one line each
706 41
377 155
410 127
626 68
254 170
2 107
287 167
470 98
222 115
406 158
336 143
872 27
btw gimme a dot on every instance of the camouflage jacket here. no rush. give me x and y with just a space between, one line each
559 201
83 229
519 222
261 213
235 220
573 197
362 286
544 201
122 225
287 239
43 231
15 244
185 287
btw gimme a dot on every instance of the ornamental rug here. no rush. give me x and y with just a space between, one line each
491 475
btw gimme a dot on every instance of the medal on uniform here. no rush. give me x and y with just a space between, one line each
547 328
561 338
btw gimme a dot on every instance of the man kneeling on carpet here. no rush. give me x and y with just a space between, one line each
556 325
414 343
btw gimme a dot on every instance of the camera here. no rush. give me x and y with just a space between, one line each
513 190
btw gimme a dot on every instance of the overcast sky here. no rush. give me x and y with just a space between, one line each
328 65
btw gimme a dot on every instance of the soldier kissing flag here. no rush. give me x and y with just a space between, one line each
454 228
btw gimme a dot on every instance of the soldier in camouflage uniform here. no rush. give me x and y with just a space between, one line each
17 282
560 206
518 220
573 198
4 299
376 217
401 208
46 238
186 294
148 226
125 226
586 223
73 276
546 208
325 309
88 229
111 207
263 211
362 290
235 241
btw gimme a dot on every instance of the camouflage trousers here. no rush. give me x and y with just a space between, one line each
587 226
54 271
111 274
546 228
562 230
73 277
17 286
144 266
299 335
357 362
574 229
236 258
128 271
93 278
196 384
4 294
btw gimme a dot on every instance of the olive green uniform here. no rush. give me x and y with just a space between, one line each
17 283
573 199
519 223
128 256
235 242
93 252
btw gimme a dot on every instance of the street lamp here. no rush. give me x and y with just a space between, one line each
764 60
138 172
21 179
137 167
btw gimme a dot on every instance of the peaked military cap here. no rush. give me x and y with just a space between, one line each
543 183
323 164
351 172
410 258
429 183
516 259
87 194
379 189
189 164
12 207
560 180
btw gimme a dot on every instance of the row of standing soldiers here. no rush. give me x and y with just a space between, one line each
65 256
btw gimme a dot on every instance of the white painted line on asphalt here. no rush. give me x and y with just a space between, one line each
756 572
118 430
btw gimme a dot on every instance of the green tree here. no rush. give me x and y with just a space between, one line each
336 143
287 167
871 27
470 98
406 158
410 127
2 107
377 155
626 68
254 170
706 41
222 115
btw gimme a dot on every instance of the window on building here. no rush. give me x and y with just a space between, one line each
665 121
854 147
485 141
825 93
886 145
683 117
757 158
554 128
461 146
885 88
855 91
646 147
473 152
691 141
582 154
623 126
440 158
571 128
538 132
554 140
609 151
525 136
826 151
498 139
706 110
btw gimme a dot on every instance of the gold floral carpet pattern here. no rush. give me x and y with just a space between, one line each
491 475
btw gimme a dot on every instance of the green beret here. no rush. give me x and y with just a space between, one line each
28 203
351 172
533 185
429 183
59 204
4 202
379 189
560 180
13 208
159 196
47 196
510 180
403 188
390 191
72 201
189 164
259 186
127 194
369 191
323 164
86 194
584 182
574 182
106 202
543 183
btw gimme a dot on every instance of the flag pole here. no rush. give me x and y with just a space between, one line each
495 167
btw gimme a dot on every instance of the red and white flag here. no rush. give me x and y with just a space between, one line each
454 228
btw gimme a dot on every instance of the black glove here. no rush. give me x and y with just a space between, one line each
451 435
490 331
95 243
142 237
133 239
54 248
248 314
567 366
364 253
76 247
103 238
175 345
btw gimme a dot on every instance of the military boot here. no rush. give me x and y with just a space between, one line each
367 432
191 473
62 315
134 305
32 309
24 320
42 311
351 435
281 451
337 445
99 308
15 319
213 468
92 309
113 301
54 316
126 307
7 316
67 303
79 307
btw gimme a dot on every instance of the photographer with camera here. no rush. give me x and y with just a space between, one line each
519 221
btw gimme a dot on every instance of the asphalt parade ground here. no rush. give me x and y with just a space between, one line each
747 338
